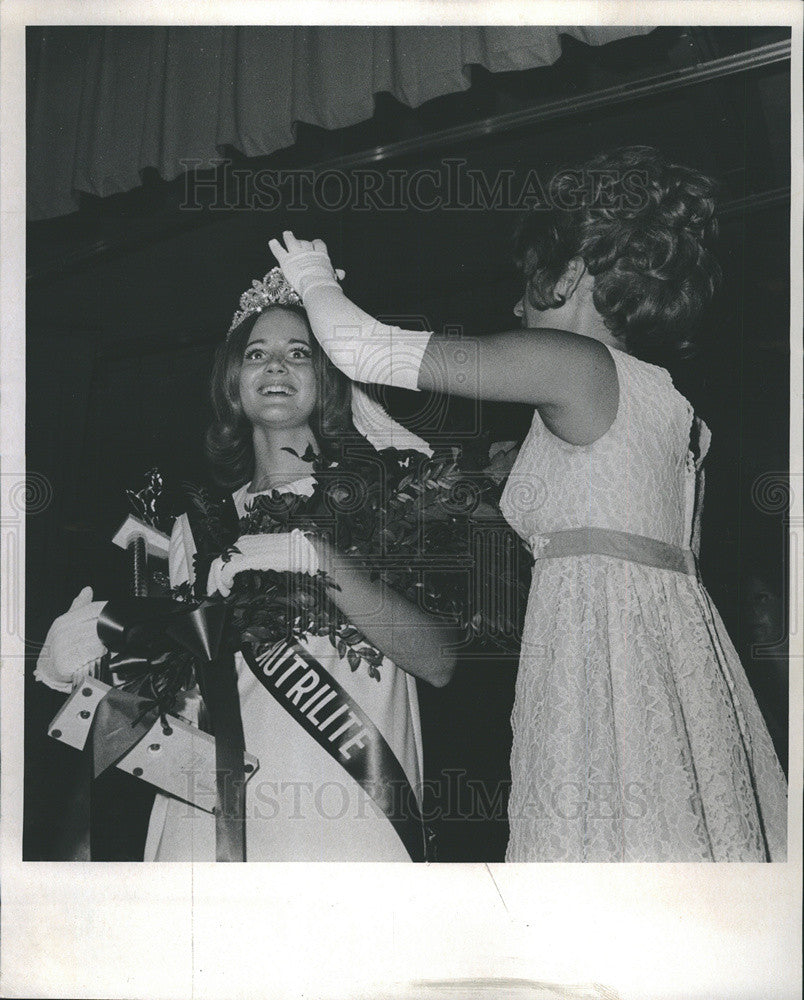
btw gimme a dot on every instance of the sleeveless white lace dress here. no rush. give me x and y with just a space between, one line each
636 736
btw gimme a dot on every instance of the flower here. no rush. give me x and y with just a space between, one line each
415 522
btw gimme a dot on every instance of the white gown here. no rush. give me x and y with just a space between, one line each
301 805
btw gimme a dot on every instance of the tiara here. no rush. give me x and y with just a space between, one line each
273 290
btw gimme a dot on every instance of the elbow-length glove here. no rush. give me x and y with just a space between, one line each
285 552
363 348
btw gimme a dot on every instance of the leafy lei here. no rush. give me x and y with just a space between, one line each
417 523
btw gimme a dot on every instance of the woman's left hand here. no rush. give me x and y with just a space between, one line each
72 648
286 552
305 265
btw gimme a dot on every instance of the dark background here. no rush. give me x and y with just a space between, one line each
128 297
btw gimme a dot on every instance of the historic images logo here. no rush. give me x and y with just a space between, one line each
451 185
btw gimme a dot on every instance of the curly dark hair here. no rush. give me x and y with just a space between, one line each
229 443
643 227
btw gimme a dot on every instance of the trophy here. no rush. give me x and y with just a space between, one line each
173 755
141 535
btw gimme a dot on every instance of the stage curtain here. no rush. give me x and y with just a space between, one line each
106 103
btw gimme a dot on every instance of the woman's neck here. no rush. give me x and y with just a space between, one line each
274 465
579 315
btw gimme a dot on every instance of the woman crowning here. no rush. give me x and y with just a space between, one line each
636 736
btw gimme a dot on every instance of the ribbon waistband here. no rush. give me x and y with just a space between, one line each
617 544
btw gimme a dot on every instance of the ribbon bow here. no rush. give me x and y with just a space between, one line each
139 631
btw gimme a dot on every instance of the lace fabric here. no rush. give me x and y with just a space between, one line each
636 734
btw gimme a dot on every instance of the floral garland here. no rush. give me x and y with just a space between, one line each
414 522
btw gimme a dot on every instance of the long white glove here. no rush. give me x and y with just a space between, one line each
363 348
72 647
381 430
285 552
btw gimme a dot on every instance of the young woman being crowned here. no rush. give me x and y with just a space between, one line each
339 744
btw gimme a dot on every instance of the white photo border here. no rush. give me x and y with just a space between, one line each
335 931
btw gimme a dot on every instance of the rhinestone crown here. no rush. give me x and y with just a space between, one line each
273 290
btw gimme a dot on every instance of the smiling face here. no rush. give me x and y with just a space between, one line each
278 383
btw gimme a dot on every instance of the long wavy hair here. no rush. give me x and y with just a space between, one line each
229 440
643 227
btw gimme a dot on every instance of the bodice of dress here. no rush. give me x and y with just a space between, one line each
391 702
301 804
639 477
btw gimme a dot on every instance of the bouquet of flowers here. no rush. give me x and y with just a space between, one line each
423 525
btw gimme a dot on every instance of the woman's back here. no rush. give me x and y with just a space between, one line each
639 477
629 687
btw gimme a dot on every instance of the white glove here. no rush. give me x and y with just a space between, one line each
363 349
381 430
286 552
305 265
72 647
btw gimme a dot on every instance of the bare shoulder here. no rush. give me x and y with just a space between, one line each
591 387
580 353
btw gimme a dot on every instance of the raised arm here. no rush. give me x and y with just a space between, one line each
571 379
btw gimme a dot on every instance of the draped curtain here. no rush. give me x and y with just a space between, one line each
106 103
